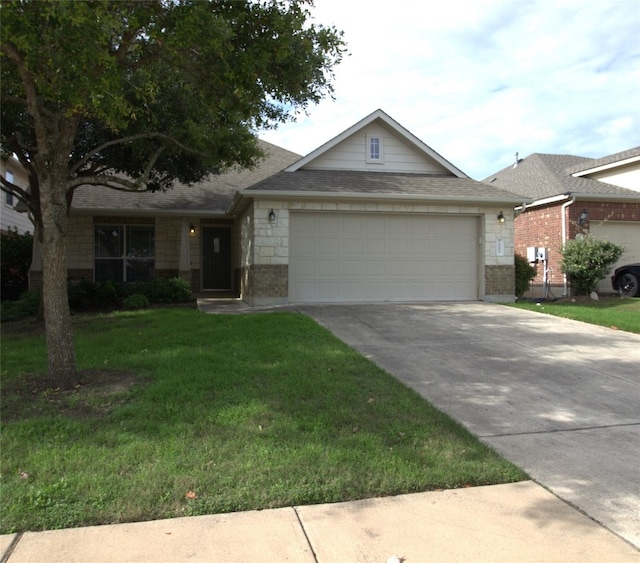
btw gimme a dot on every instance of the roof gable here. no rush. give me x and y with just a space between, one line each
400 151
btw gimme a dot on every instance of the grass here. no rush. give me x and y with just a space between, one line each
614 312
182 413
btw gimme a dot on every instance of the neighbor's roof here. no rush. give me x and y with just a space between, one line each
619 158
212 196
539 176
356 183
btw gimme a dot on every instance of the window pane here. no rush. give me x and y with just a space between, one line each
374 146
140 242
8 198
108 270
108 241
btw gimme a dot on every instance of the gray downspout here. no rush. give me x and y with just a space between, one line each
564 237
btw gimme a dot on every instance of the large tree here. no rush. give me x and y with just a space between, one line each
136 95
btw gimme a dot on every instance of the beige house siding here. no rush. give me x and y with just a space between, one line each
9 217
397 156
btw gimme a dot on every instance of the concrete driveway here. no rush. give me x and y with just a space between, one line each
557 397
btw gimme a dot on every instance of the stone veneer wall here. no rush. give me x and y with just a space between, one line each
268 284
499 283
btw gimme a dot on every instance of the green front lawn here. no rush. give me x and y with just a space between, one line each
183 413
614 312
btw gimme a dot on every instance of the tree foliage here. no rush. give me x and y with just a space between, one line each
136 95
587 260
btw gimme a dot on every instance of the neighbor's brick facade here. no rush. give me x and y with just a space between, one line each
542 227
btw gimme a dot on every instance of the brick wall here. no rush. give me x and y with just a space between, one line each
542 227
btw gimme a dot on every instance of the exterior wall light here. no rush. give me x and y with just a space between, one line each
272 215
192 229
584 218
501 217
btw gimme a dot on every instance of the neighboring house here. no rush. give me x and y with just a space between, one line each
372 215
10 217
573 195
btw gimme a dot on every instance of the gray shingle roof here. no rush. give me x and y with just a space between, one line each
610 159
213 195
358 183
539 176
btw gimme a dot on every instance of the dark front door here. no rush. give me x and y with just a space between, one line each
216 258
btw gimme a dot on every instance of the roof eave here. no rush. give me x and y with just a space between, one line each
147 212
604 167
582 197
284 194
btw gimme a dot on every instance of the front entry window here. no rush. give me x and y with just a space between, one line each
124 253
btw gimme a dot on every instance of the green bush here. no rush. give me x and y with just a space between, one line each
587 260
173 290
81 295
135 301
26 306
525 272
15 252
89 296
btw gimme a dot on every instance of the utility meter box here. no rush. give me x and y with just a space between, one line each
532 254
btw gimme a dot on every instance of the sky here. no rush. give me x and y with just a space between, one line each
479 80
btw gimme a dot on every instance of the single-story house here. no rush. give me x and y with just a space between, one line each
572 195
372 215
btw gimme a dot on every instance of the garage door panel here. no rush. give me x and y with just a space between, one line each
375 225
352 245
382 257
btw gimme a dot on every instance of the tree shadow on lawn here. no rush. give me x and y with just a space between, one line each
97 393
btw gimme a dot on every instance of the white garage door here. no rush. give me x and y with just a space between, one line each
364 257
627 234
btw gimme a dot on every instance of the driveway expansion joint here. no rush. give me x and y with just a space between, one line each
304 531
560 430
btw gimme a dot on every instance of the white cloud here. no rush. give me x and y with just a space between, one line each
479 80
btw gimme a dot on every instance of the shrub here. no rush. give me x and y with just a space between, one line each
588 260
525 272
173 290
135 301
81 295
16 259
26 306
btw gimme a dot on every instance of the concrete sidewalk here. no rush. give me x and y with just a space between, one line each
513 522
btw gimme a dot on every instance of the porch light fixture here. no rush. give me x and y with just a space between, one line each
584 218
192 229
500 217
272 215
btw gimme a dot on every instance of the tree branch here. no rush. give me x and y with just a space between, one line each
108 180
83 161
31 93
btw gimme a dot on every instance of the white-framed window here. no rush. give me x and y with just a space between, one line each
124 253
8 198
374 149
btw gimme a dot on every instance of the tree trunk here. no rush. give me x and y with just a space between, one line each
57 316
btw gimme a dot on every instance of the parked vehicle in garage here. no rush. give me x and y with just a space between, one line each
626 280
